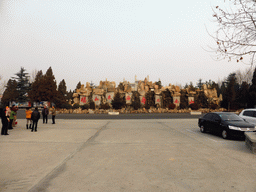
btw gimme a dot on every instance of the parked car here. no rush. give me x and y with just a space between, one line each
224 123
249 115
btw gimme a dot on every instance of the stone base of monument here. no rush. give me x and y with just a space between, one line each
250 141
91 111
195 113
113 113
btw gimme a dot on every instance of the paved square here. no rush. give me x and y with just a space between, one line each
123 155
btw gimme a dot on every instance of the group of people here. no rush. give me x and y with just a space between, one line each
8 117
33 117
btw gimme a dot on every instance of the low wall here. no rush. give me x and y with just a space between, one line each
125 111
250 141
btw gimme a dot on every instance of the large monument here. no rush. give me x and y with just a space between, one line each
104 93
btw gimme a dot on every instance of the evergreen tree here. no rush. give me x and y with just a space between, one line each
150 99
183 99
252 91
70 95
10 93
186 86
216 86
159 83
191 86
167 98
44 87
242 96
35 93
118 102
229 96
78 86
49 86
223 88
200 84
23 85
61 98
201 100
136 100
121 86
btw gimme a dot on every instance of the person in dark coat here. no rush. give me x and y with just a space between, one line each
45 113
53 112
35 117
4 119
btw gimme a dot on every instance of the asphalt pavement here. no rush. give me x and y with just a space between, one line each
123 155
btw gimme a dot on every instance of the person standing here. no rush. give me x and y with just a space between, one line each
12 117
35 117
4 122
15 109
45 113
28 117
53 111
7 112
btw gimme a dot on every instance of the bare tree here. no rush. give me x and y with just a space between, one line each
236 33
33 76
244 76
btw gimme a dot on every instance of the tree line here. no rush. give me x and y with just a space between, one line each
236 94
44 88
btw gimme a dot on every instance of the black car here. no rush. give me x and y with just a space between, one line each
224 123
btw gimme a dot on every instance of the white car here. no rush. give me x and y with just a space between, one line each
249 115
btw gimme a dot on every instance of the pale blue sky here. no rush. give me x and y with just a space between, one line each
91 40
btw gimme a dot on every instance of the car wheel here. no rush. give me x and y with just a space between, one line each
202 129
224 134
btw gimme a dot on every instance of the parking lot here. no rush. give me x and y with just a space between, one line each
123 155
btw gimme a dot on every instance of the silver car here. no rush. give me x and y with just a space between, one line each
249 115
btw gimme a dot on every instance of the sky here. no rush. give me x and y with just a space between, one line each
95 40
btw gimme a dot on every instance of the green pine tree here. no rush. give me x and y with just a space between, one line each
23 85
118 101
10 93
136 100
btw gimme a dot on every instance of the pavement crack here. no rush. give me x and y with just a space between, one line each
92 138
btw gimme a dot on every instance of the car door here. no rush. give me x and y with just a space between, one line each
215 123
207 119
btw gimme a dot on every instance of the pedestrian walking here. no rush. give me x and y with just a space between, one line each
4 119
45 113
53 112
12 117
35 117
28 117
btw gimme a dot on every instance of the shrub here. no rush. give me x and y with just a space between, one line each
194 106
105 106
85 106
214 106
92 104
66 106
172 106
75 106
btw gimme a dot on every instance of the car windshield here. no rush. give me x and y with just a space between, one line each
230 117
